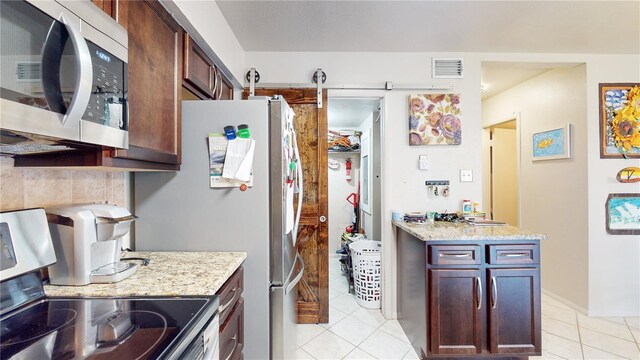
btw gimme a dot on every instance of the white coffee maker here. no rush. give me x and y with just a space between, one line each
87 240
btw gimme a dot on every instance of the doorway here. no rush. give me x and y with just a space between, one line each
503 166
354 161
354 142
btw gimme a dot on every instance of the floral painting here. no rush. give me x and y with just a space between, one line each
620 120
434 119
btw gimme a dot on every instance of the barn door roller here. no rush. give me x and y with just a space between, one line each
253 77
319 74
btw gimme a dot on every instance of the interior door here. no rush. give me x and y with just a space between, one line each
310 123
504 164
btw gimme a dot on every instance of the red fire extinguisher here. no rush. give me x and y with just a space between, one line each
348 167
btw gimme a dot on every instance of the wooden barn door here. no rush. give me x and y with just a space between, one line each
311 128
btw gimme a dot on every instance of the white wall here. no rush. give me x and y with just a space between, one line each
614 265
366 217
614 260
340 211
207 18
553 193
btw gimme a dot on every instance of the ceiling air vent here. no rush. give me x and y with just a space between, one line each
446 68
28 71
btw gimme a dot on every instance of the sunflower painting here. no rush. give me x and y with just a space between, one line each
434 119
620 120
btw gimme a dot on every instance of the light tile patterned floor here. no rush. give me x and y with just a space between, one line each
354 332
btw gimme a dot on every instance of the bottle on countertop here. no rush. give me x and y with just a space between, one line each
466 206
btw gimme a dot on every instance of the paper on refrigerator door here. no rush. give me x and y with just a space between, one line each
238 151
244 170
289 218
217 154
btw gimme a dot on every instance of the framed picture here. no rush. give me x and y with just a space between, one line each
619 120
552 144
435 119
623 214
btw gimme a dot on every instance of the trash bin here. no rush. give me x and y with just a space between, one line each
365 258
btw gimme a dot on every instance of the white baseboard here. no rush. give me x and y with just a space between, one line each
560 299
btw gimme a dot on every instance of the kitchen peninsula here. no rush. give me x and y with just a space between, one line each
468 291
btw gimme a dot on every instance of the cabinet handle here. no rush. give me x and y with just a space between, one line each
219 84
233 349
494 293
449 255
212 81
226 305
514 254
479 292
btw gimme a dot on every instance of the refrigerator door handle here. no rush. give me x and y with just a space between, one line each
299 177
292 283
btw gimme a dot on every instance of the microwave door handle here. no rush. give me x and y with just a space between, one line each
84 73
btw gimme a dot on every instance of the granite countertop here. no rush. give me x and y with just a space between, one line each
441 230
168 274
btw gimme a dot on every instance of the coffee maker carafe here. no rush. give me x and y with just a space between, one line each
87 240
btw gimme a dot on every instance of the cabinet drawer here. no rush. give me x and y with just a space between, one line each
514 254
455 255
232 333
230 293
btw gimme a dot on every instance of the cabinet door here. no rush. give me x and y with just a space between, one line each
199 75
514 310
232 333
455 311
225 89
155 79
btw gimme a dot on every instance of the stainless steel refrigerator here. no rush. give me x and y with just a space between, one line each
178 211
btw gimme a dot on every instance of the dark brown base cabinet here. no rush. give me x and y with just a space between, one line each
465 299
231 313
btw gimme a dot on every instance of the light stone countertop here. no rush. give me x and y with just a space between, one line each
441 230
168 274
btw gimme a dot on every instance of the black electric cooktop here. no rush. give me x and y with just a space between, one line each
99 328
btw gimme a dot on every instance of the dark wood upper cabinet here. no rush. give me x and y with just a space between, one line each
201 76
224 89
155 70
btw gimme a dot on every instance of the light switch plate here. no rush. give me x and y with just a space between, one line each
466 176
423 162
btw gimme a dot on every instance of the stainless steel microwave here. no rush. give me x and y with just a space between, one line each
63 80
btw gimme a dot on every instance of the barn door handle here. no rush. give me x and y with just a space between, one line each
323 218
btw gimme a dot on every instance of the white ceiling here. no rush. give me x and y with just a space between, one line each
558 26
349 113
552 26
499 76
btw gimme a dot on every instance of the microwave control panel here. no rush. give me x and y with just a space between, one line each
108 101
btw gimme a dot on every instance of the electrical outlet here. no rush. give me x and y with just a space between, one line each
466 176
423 162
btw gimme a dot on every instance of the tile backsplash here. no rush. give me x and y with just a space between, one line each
32 187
